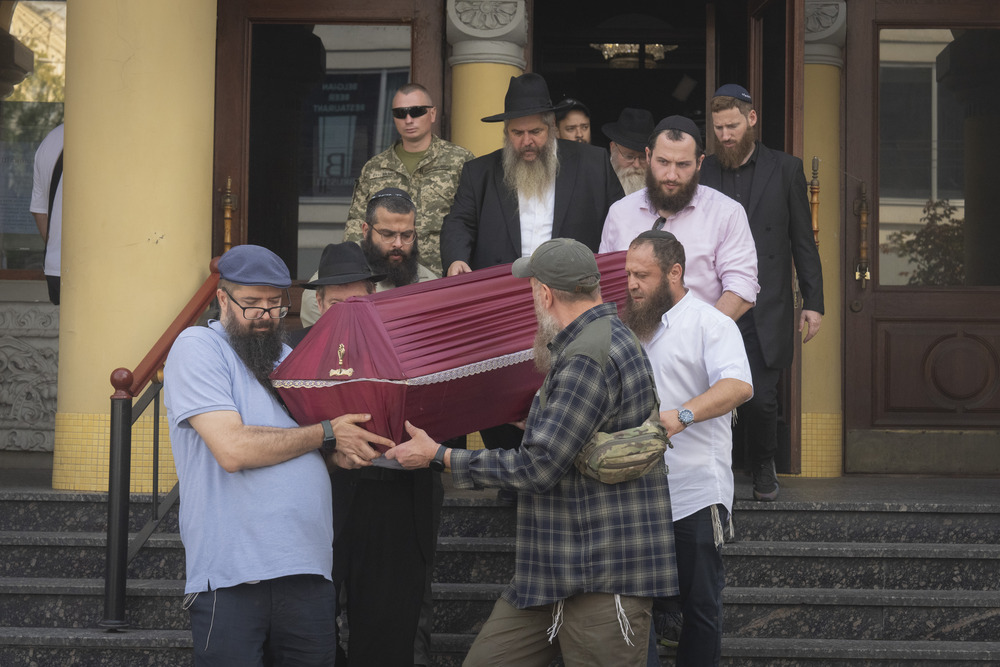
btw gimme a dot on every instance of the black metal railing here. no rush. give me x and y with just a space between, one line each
124 414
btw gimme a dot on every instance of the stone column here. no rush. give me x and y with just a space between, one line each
822 361
137 222
487 39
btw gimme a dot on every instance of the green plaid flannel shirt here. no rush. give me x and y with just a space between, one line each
575 534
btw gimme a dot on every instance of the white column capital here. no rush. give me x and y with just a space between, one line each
826 32
487 31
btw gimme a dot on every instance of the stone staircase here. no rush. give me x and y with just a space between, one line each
855 571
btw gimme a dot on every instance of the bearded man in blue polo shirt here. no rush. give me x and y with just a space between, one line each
255 511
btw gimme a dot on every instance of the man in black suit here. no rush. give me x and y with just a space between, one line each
771 186
536 188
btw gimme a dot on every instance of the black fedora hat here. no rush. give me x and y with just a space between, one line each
631 130
527 95
343 263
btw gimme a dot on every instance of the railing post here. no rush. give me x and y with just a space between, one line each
119 484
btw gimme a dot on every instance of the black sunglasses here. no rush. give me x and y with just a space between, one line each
413 112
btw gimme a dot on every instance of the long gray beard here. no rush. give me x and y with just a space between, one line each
548 328
531 179
632 178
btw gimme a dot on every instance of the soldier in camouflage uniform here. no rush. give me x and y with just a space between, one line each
425 166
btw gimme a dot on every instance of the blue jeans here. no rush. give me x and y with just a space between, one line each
284 621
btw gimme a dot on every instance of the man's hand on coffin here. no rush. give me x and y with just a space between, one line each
522 424
353 441
457 267
418 451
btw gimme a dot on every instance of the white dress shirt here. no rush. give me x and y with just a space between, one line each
695 347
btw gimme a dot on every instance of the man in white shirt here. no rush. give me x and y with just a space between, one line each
46 205
702 374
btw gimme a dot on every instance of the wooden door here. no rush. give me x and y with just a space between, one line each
270 64
922 292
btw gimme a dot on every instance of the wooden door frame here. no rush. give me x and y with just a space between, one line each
944 446
794 106
232 75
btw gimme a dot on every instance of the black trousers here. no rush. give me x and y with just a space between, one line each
385 574
759 415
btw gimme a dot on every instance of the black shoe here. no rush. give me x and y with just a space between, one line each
667 625
765 481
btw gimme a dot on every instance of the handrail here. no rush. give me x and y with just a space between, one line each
127 385
157 355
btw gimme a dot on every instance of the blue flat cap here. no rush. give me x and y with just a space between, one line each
733 90
254 265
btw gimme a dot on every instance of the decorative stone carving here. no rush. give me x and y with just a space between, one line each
486 14
28 373
487 31
826 32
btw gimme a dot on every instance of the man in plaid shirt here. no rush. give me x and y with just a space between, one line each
590 556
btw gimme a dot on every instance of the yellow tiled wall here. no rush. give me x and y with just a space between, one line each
82 454
822 445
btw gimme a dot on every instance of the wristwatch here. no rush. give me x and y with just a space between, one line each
329 445
685 416
437 463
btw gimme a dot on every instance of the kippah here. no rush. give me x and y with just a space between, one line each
680 123
391 192
656 234
733 90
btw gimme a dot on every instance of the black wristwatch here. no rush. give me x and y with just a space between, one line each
685 416
437 463
329 445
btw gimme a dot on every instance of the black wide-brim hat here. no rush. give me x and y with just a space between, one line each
343 263
527 95
632 129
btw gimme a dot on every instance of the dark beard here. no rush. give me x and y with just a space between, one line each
644 319
732 158
548 328
397 273
670 203
259 350
530 179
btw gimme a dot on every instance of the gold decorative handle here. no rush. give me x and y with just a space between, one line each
861 272
228 206
814 199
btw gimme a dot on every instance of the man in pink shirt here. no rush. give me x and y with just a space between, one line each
721 255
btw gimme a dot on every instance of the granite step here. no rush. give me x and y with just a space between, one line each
31 647
970 523
450 649
79 603
73 511
850 615
79 554
863 565
489 560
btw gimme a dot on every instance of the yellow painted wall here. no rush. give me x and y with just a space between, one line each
478 91
137 196
822 361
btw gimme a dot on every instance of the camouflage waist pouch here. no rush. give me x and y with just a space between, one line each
624 455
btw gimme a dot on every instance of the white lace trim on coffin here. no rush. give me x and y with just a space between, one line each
484 366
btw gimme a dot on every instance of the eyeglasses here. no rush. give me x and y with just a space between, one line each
413 112
658 225
406 238
636 158
256 312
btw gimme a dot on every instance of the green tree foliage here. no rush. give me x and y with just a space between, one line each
935 251
36 105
